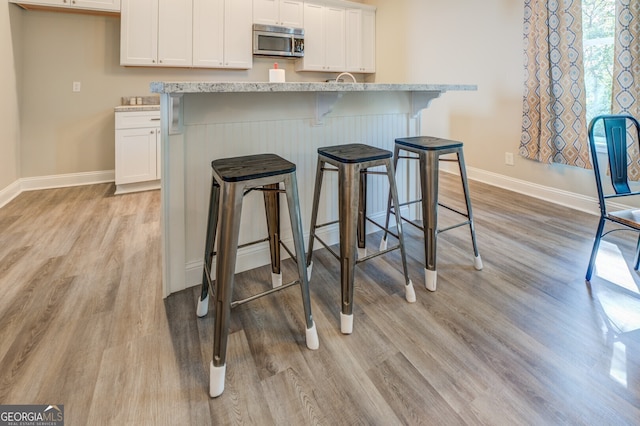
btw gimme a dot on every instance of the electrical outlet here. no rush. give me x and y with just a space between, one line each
508 158
76 86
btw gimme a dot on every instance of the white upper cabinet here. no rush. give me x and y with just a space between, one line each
102 5
286 13
361 41
186 33
156 33
222 34
324 39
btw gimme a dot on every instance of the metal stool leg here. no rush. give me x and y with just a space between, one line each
348 183
291 188
214 200
410 294
429 171
362 215
272 209
314 214
477 261
383 243
231 202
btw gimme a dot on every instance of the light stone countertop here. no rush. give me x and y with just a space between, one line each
248 87
130 108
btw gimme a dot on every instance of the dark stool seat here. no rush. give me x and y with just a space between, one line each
232 178
351 163
428 150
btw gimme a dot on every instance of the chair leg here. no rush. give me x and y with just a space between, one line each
594 250
231 201
477 261
314 214
348 182
410 294
291 188
429 172
637 264
214 198
272 209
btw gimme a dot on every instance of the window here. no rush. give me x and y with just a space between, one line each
598 25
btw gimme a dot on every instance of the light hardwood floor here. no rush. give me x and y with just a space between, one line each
525 341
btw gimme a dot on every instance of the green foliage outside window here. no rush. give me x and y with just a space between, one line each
598 22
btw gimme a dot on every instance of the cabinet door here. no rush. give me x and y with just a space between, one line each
111 5
208 33
238 52
266 12
334 36
136 159
314 43
291 13
175 33
353 35
139 32
56 3
368 41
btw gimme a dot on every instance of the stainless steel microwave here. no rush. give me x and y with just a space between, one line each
270 40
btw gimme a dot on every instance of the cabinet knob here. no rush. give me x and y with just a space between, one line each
152 132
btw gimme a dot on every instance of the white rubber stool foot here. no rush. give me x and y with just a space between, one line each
430 278
362 252
276 280
383 244
216 380
346 323
203 307
410 292
309 270
312 337
477 263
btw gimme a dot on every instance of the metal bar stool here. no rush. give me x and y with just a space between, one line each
351 162
428 150
232 179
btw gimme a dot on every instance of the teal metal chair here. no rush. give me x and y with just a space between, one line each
617 130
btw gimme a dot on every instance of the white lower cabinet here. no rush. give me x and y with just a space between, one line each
137 151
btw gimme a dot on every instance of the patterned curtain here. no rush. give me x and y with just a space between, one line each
554 128
626 72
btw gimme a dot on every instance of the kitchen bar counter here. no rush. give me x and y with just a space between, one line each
244 87
202 121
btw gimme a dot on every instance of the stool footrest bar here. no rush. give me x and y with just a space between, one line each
264 293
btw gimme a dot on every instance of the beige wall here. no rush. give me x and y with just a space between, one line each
475 42
439 41
66 132
9 106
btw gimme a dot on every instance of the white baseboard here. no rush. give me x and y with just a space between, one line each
54 181
9 193
557 196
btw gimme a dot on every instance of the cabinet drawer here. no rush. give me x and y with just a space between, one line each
137 119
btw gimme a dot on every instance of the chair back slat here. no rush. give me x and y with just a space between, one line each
616 138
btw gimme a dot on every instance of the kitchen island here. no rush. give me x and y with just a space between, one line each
202 121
